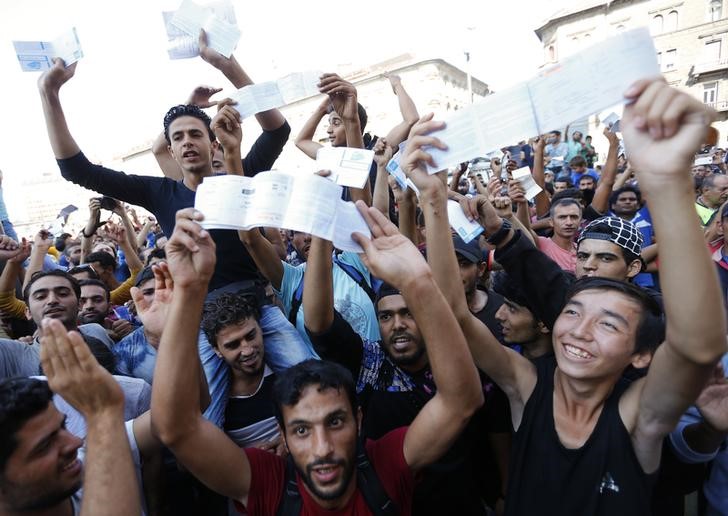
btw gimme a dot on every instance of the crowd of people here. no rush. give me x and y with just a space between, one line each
568 361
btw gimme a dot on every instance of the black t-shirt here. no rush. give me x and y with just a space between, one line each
164 197
487 313
251 419
602 478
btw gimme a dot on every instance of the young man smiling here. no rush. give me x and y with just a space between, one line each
586 442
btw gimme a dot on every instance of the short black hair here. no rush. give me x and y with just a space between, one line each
558 133
564 179
67 246
360 111
577 161
157 252
564 201
56 272
145 275
102 257
651 328
84 267
626 188
96 283
20 400
290 384
229 308
186 110
60 242
569 193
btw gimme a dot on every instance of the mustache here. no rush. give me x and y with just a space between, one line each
325 462
401 334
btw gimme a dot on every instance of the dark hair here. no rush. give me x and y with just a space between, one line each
157 252
564 179
67 247
229 308
102 257
186 110
564 201
60 242
96 283
385 290
569 193
56 272
557 133
145 275
363 117
577 161
627 188
20 400
651 328
84 267
504 285
290 384
587 176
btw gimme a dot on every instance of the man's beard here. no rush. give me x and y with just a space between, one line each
22 499
91 318
307 476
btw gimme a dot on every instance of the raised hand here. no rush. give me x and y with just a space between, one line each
713 401
503 207
414 156
43 240
342 94
663 128
200 96
56 76
154 314
516 192
190 251
611 137
227 126
382 152
211 56
394 81
9 248
22 252
116 233
74 373
389 255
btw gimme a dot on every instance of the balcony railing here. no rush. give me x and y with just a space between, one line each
711 66
718 106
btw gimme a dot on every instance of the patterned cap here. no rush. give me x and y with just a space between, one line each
622 232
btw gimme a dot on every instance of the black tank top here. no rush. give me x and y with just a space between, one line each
603 477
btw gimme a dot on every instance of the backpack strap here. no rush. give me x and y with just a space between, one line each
296 303
291 502
360 280
367 480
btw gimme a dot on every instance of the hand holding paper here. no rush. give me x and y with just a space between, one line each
37 56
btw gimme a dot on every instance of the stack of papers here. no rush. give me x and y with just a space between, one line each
348 166
37 56
184 26
523 176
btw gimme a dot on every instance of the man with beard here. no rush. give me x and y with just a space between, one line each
315 400
95 307
41 464
565 220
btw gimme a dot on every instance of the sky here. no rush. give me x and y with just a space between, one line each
125 82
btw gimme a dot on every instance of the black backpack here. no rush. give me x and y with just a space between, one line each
367 482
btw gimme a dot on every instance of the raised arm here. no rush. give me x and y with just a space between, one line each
382 155
318 291
264 255
542 198
110 486
407 108
49 84
42 242
663 128
304 140
176 416
269 120
600 202
392 257
229 132
507 368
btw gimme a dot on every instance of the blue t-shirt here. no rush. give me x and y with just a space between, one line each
350 300
135 356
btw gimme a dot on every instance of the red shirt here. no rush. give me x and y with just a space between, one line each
386 455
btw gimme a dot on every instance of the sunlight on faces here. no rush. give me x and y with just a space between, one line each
53 297
518 325
44 469
400 336
565 220
594 337
190 145
320 433
240 345
336 130
93 305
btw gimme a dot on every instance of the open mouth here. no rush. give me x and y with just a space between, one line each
577 352
53 311
326 473
401 343
190 154
249 360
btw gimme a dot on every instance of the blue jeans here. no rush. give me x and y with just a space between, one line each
9 229
284 348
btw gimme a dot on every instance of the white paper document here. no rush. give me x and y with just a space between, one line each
466 229
395 170
303 202
218 21
523 176
703 160
274 94
582 84
35 56
348 166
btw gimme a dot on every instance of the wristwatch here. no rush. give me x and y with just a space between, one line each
500 235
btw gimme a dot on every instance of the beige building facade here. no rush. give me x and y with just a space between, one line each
691 39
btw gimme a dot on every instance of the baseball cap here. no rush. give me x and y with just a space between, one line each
618 231
470 251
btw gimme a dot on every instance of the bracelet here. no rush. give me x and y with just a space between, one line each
500 235
83 232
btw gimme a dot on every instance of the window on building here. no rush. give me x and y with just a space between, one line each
657 25
715 10
671 24
668 61
711 51
710 92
